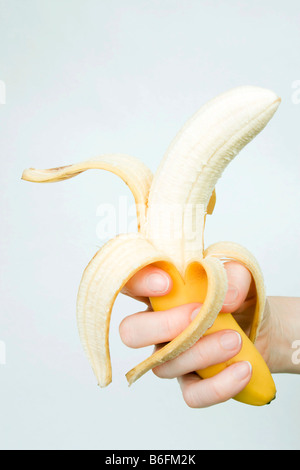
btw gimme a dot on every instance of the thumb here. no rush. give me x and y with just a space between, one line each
239 281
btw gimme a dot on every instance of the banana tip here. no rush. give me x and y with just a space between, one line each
26 174
269 403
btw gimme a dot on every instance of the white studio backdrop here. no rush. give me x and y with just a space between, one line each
83 77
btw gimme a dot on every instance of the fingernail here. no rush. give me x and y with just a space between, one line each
157 283
241 370
231 340
195 313
232 295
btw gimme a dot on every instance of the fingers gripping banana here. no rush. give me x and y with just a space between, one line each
171 208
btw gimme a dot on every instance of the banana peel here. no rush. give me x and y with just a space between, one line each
171 207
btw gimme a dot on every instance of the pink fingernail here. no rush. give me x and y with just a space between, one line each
157 283
232 295
231 340
195 313
241 370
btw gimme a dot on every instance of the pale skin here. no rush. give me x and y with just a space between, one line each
279 331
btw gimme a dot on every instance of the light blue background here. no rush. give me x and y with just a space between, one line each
85 77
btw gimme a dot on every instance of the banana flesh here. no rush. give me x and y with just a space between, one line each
183 187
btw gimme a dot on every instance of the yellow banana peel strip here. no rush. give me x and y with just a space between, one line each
131 170
236 252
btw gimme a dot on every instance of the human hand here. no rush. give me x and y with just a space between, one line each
156 328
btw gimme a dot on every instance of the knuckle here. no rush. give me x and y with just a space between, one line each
200 355
216 392
167 327
174 321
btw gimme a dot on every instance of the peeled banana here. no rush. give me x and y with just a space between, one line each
171 207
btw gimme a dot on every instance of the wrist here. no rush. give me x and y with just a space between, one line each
284 334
